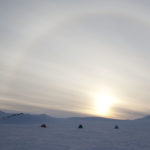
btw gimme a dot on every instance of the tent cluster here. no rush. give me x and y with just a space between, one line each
80 126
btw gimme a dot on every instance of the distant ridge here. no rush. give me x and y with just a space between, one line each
144 118
2 113
22 118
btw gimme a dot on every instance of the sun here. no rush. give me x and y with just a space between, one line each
103 103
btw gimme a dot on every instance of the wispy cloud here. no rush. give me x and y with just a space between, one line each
57 53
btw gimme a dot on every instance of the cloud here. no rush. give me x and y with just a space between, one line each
59 53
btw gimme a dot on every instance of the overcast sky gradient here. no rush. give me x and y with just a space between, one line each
56 54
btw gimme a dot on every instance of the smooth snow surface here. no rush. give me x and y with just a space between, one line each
65 135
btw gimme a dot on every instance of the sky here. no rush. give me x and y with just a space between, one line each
75 57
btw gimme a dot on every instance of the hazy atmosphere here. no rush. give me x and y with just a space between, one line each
75 57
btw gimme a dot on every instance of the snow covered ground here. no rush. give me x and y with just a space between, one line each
96 135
